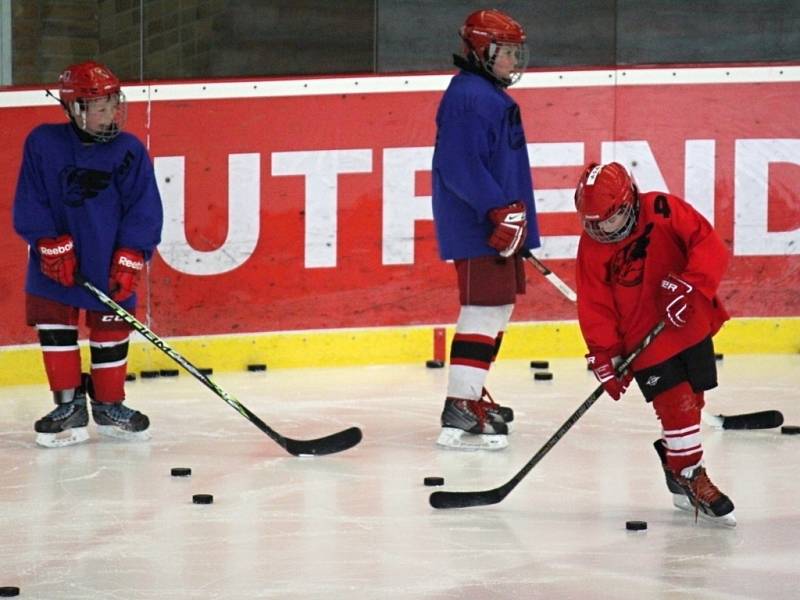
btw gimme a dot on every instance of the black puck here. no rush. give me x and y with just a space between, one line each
180 471
149 374
790 429
539 364
719 356
257 367
9 591
130 377
203 499
206 371
635 525
543 375
168 372
434 364
434 481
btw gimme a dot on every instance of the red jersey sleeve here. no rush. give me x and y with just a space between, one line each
707 255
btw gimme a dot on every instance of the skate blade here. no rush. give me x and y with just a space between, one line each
110 431
70 437
728 520
682 502
452 437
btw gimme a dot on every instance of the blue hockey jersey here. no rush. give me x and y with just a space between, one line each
103 195
480 162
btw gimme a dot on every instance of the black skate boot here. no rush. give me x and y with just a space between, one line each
66 424
119 421
708 501
679 498
114 419
469 425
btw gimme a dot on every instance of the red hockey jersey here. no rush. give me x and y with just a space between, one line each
619 283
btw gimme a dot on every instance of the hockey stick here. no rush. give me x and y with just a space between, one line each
493 496
336 442
550 276
766 419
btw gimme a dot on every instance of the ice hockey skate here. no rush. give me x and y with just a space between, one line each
679 498
472 425
66 424
118 421
709 503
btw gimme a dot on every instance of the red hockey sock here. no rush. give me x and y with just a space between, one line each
679 411
61 356
109 350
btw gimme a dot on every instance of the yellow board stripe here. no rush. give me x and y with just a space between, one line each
22 365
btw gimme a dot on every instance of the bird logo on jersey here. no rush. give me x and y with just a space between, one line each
80 184
626 267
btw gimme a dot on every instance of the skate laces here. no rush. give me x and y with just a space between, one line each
117 412
479 409
63 411
702 491
703 488
486 397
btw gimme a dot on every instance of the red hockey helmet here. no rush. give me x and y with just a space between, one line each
487 34
89 82
86 81
607 202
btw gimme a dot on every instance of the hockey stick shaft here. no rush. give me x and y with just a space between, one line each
550 276
326 445
464 499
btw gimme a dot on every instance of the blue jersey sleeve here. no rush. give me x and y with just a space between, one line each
142 213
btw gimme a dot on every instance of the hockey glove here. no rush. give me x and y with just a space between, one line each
57 259
603 366
510 228
675 300
126 266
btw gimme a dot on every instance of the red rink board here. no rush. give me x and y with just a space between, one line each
353 151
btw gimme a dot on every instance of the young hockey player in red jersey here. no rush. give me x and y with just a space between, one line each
644 257
86 201
484 215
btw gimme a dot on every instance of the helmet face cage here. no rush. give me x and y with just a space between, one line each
614 228
519 52
92 96
84 113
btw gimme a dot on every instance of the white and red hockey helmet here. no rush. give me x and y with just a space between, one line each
88 82
487 33
607 201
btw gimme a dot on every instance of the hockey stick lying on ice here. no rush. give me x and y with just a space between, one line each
765 419
493 496
550 276
336 442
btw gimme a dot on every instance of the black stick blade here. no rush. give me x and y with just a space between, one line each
336 442
765 419
466 499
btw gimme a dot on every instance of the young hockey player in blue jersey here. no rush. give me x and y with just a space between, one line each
86 201
484 215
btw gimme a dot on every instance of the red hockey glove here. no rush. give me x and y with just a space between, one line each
126 266
510 228
57 259
675 300
603 366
